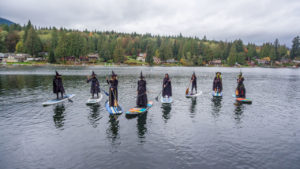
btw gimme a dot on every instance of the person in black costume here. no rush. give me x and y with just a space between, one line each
113 90
142 92
58 85
95 86
167 86
240 90
194 82
217 84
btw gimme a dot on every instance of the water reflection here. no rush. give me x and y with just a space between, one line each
113 129
193 107
94 115
166 109
238 111
59 116
216 106
141 125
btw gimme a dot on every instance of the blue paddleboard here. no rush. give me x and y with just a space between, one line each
113 110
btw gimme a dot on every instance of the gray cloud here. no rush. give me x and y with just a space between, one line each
251 20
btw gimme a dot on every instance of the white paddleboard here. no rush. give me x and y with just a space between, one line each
166 99
56 101
217 94
94 100
194 94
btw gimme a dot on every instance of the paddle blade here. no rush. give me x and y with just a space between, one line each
187 91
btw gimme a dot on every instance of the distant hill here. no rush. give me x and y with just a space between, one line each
5 21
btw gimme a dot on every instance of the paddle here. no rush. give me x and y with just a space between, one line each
188 89
104 92
115 101
156 98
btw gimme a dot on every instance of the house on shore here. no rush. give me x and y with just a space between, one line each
216 62
156 60
142 57
93 57
264 61
170 61
12 58
2 57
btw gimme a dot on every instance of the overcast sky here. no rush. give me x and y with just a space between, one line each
254 21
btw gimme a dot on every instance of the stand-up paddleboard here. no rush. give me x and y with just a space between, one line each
56 101
166 99
193 94
138 110
113 110
94 100
217 94
242 100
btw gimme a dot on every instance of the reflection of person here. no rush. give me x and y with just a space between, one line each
58 116
58 85
167 86
240 90
95 86
113 90
142 92
194 83
217 84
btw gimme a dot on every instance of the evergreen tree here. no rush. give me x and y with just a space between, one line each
3 35
32 43
232 55
28 26
52 57
276 49
150 54
54 39
61 52
295 51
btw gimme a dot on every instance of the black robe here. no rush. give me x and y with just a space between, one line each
241 88
95 86
217 84
113 94
194 83
167 91
142 99
58 85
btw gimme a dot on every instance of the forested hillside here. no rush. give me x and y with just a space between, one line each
117 47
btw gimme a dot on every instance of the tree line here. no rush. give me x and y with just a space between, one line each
115 46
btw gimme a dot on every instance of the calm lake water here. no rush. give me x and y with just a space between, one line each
190 133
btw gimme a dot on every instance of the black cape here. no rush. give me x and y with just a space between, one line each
142 99
58 85
95 86
217 84
113 94
167 91
241 88
194 82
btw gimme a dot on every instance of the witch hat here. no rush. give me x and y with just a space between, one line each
57 74
93 73
113 74
141 75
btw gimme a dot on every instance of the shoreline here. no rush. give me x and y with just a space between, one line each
131 65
